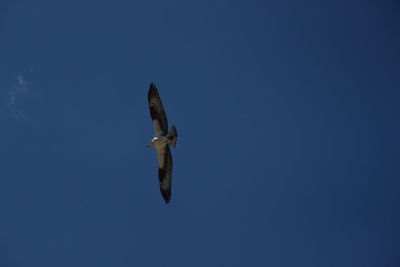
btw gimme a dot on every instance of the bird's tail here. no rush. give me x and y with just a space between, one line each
172 136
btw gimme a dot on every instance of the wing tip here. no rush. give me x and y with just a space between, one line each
166 195
153 91
153 87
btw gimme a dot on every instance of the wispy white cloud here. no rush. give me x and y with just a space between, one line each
16 97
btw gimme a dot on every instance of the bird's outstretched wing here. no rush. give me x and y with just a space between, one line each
157 113
165 172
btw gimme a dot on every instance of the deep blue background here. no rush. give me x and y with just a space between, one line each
288 114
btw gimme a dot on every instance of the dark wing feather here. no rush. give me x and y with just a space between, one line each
165 172
157 113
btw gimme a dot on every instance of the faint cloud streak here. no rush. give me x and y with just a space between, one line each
16 97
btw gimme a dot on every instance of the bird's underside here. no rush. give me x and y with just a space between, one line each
161 142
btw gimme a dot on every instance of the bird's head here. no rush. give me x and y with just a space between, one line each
151 143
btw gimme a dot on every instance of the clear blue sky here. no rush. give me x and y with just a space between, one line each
288 114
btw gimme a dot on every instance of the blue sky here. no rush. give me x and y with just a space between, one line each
288 114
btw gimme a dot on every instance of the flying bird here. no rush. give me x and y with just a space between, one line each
163 139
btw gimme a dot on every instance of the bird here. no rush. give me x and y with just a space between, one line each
163 139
